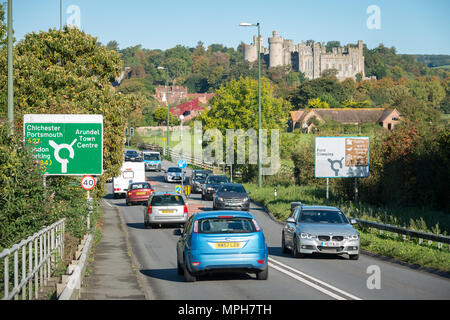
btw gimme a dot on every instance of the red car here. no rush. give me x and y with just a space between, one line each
139 192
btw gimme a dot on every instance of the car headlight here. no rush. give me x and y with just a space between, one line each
220 199
246 199
353 237
305 235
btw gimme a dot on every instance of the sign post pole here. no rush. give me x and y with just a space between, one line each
328 189
356 191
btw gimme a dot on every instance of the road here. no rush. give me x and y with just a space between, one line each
327 277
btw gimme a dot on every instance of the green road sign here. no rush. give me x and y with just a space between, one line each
66 144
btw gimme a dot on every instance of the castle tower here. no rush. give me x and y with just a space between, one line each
275 50
251 50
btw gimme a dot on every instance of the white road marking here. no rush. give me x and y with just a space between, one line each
313 279
108 203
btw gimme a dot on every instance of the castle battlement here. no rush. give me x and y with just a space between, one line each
309 58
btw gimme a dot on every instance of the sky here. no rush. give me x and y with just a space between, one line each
411 26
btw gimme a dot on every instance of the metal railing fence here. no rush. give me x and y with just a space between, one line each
33 261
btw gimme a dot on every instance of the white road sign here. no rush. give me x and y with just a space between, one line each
342 157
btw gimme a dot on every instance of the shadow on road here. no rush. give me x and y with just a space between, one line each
277 252
172 275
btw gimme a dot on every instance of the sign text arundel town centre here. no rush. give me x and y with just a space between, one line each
66 144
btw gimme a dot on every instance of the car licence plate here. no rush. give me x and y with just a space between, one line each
330 244
167 211
228 245
140 193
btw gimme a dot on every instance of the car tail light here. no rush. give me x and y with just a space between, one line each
260 261
151 191
256 225
195 264
116 189
195 226
225 217
185 209
149 209
130 193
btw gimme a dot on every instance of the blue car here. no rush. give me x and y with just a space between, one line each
218 241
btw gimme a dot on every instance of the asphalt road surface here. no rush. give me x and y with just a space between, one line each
321 277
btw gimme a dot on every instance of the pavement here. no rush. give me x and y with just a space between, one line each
112 273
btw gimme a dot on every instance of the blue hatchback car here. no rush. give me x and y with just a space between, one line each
221 241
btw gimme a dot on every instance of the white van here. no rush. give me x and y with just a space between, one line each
130 172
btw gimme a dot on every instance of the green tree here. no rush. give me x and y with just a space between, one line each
67 72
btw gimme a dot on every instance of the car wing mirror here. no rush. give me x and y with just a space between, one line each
353 221
249 192
177 232
290 220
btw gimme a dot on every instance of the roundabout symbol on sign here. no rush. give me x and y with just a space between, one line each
88 183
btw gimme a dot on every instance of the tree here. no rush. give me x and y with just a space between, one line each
316 103
235 106
330 73
59 72
113 45
332 44
160 115
317 88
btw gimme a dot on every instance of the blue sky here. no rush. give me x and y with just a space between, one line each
412 26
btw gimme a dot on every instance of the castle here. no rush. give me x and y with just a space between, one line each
309 58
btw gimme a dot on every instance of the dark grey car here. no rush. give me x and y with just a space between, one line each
231 196
197 179
211 185
320 229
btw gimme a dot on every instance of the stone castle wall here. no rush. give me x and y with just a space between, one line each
309 58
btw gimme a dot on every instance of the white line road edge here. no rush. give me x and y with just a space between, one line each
315 286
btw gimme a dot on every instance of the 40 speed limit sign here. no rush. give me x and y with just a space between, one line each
88 182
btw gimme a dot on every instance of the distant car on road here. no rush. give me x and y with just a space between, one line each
197 178
231 196
211 185
166 208
320 229
221 241
132 155
152 160
174 174
138 192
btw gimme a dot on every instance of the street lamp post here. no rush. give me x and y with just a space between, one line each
10 70
168 113
245 24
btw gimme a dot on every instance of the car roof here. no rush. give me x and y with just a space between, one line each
201 170
231 184
161 193
156 152
140 182
305 208
217 175
215 214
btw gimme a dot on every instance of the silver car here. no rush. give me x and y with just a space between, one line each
174 174
319 229
166 208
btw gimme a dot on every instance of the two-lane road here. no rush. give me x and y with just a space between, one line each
289 278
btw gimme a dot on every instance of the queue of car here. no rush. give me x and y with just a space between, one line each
229 237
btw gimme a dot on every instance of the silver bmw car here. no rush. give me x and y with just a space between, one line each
319 229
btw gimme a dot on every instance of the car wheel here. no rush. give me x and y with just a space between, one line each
354 256
283 244
203 196
188 277
263 275
295 251
180 269
115 196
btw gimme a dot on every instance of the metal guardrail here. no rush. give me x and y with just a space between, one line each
406 232
44 247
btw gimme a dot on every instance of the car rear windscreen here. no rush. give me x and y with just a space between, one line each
322 216
173 169
226 225
140 186
167 200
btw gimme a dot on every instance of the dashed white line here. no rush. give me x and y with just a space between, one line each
312 284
